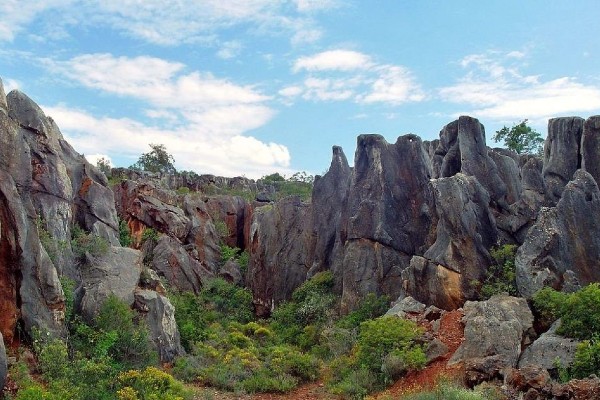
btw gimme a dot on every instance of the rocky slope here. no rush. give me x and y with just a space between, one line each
411 218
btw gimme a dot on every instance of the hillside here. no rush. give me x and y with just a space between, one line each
418 223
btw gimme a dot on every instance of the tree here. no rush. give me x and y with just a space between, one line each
158 160
103 165
520 138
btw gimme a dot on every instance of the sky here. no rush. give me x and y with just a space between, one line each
252 87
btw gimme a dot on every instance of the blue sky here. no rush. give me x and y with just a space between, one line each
250 87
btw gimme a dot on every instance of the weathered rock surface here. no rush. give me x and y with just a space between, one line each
390 213
159 314
170 260
564 243
116 273
278 259
548 348
329 205
495 328
590 147
202 234
3 360
561 154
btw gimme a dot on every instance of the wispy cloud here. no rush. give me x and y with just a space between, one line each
229 50
201 118
340 74
494 87
165 22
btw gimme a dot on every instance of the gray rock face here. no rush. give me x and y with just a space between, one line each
329 204
3 104
590 147
179 268
202 233
406 305
555 250
116 273
390 214
145 203
278 259
561 154
3 360
475 160
465 231
159 314
548 348
496 327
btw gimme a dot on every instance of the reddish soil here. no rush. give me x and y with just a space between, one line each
451 333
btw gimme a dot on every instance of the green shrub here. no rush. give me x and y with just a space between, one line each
150 384
221 228
587 359
228 253
183 190
579 312
389 338
501 275
83 243
448 391
150 234
370 307
124 234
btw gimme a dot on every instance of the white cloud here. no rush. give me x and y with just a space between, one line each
291 91
203 120
163 22
11 84
229 50
93 159
338 75
336 60
394 85
315 5
496 89
192 146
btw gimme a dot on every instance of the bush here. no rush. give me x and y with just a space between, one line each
501 275
124 234
150 384
392 339
83 243
370 307
587 359
447 391
579 312
150 234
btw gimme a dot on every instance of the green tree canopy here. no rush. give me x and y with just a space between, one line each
157 160
520 138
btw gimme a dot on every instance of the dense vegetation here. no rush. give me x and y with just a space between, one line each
579 315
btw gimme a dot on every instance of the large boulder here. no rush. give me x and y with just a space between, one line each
561 154
549 349
459 256
159 314
116 273
563 246
497 327
171 261
278 260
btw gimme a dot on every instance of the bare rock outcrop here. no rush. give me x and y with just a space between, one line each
116 273
390 214
278 259
561 154
497 327
590 147
159 314
563 246
549 348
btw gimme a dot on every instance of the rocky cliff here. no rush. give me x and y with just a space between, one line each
410 218
49 193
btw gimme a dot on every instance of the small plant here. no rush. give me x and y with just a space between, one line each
221 228
124 234
183 190
150 234
87 243
501 275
